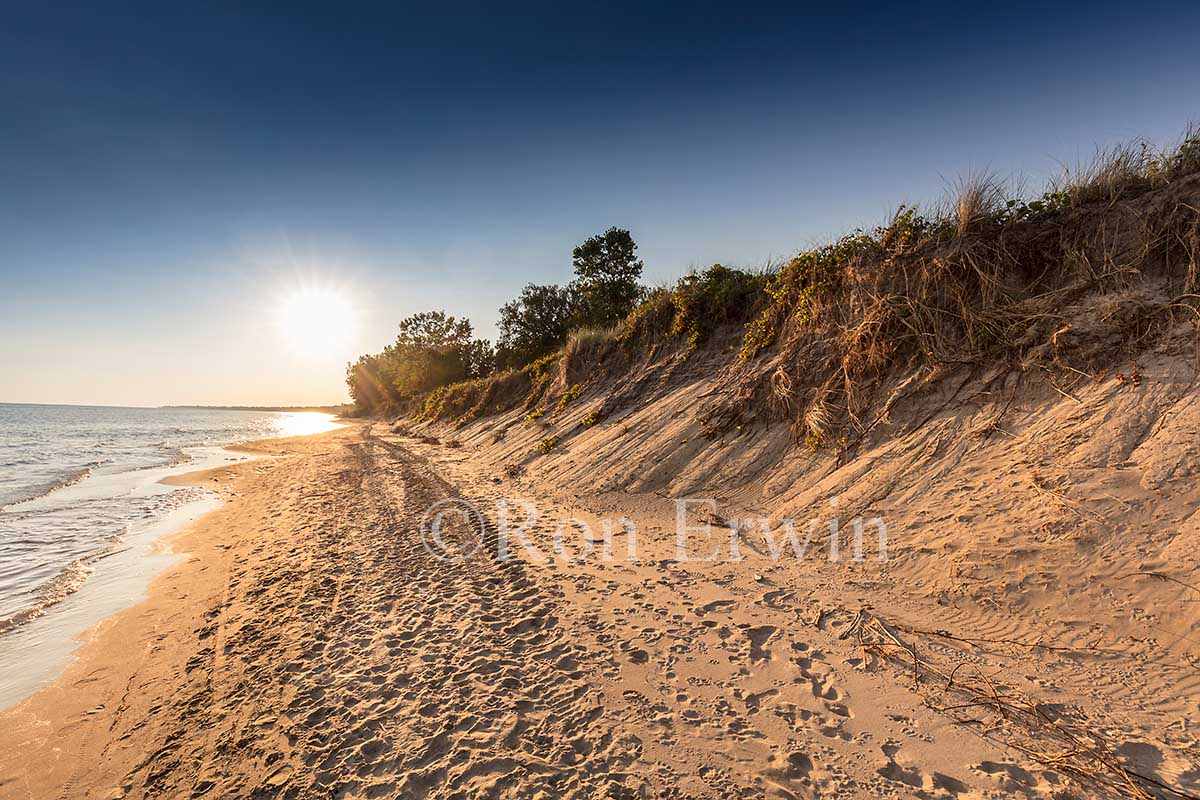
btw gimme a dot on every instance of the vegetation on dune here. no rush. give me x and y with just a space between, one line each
1064 282
696 306
984 278
607 272
431 349
568 396
604 291
435 358
536 323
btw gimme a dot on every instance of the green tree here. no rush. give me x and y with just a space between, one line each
480 358
607 271
367 384
432 349
534 324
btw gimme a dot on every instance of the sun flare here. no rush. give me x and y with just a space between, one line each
316 320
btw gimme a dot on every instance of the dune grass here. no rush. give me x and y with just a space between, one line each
984 277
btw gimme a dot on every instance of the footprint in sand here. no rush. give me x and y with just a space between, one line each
759 636
716 606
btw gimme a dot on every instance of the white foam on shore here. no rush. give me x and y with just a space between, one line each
37 651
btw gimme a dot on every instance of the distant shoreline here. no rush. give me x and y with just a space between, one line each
337 408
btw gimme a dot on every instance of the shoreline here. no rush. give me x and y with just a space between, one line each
39 650
55 637
108 651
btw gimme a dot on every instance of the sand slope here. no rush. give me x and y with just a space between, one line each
310 647
1042 569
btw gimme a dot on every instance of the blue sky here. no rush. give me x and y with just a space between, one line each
166 173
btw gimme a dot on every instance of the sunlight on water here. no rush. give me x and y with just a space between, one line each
304 423
82 508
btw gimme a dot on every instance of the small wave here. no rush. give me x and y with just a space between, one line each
174 457
178 457
54 591
68 480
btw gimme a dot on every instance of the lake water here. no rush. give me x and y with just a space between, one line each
82 507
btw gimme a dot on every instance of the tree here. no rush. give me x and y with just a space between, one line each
433 330
607 271
534 324
480 358
365 379
432 349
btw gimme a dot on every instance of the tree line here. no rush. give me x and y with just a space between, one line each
434 349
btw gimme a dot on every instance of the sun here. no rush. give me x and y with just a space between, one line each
316 320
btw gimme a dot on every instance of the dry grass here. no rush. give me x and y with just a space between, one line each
1110 173
978 699
817 422
1070 281
585 349
1071 289
1117 171
976 198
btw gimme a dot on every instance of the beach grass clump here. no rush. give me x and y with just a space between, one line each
653 314
547 444
497 393
978 198
817 422
586 349
591 418
1129 168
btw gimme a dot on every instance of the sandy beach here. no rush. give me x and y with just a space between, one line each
310 646
649 401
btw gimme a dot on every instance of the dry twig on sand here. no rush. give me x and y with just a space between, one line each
1039 485
1026 725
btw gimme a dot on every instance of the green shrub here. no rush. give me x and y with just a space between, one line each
540 376
794 290
569 396
547 444
698 304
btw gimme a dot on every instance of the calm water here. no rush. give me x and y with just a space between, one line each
81 506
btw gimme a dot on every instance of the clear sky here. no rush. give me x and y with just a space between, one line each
168 173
